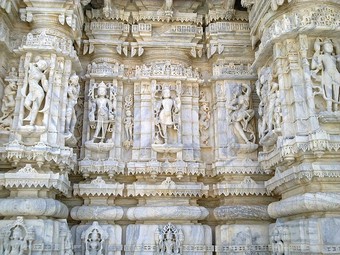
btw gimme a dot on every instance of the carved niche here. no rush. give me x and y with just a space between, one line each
94 240
16 238
169 240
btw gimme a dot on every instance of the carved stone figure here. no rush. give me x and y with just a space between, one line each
204 118
277 112
94 243
270 109
37 87
169 108
102 112
325 62
128 125
16 243
241 115
8 104
94 238
279 240
72 97
169 240
128 121
13 73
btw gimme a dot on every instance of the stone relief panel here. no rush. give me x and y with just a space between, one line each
167 69
241 115
242 239
104 68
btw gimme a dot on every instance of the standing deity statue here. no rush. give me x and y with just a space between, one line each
37 86
16 244
167 119
102 112
240 113
326 62
169 244
72 97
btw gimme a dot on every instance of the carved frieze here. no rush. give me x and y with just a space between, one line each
315 18
167 188
168 70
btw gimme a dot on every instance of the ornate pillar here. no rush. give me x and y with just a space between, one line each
40 123
166 147
298 87
241 214
107 133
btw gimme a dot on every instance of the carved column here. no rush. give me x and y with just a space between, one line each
166 149
106 136
241 213
297 60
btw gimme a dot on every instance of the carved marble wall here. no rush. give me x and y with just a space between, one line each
169 127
